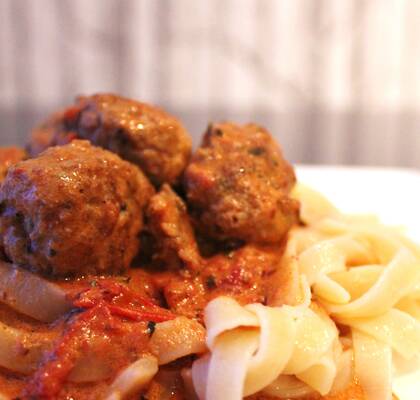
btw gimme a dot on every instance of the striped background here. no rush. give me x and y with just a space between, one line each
335 81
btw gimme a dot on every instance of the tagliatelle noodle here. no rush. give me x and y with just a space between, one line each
275 347
314 338
288 387
133 378
366 276
409 306
247 358
396 281
381 292
357 281
394 328
263 352
345 371
329 290
177 338
199 375
373 366
320 375
234 316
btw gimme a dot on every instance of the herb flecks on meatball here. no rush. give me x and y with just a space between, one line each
140 133
76 209
238 185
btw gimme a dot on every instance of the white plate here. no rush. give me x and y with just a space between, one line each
393 195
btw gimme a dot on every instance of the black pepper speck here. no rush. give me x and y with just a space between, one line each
151 327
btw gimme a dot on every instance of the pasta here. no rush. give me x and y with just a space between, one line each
133 378
352 271
177 338
262 343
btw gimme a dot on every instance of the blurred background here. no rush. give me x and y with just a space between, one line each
337 82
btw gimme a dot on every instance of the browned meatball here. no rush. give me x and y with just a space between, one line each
169 224
57 130
238 185
8 157
140 133
74 210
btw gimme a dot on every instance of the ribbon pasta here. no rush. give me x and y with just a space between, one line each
251 346
352 271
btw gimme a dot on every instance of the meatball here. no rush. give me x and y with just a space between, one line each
57 130
8 157
76 209
238 185
140 133
169 224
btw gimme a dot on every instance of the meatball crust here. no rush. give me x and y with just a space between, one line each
140 133
74 210
57 130
238 185
168 222
8 157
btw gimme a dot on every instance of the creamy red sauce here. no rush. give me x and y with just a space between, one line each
109 320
